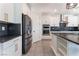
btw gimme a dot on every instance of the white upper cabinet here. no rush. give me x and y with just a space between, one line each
72 20
6 12
12 47
17 12
52 20
2 12
10 12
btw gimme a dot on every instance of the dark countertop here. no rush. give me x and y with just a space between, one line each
55 28
74 38
7 38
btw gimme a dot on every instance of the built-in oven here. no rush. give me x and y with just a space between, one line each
46 29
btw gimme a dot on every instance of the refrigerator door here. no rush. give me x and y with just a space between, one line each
26 33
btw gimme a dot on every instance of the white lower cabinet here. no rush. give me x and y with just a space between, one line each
11 12
12 47
73 49
63 47
10 51
67 48
0 48
18 46
54 43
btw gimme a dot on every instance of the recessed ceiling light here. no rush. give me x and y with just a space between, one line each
55 10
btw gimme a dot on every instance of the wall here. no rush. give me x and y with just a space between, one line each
26 9
36 26
52 20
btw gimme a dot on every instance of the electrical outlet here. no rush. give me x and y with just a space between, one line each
3 28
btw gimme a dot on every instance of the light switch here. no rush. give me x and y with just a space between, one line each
3 28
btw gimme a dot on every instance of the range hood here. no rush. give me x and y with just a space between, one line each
71 5
62 24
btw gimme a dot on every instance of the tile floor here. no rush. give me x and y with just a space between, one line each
41 48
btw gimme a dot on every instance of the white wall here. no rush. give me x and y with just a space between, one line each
26 9
36 26
52 20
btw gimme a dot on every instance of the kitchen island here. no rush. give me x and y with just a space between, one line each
65 44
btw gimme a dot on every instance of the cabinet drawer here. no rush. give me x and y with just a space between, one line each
62 41
10 51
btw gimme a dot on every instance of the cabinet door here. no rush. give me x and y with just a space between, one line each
11 12
10 51
54 43
0 49
14 12
2 12
18 46
62 46
8 48
72 20
17 13
10 9
73 49
13 47
6 11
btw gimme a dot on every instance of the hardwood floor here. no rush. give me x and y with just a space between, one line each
41 48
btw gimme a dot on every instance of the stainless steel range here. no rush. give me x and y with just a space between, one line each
46 29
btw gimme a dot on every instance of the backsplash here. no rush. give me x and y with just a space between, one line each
9 29
13 29
54 28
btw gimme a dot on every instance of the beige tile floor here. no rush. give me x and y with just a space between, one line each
41 48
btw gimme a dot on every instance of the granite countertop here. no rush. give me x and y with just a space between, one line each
64 32
7 38
74 38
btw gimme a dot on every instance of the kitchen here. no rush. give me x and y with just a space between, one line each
21 23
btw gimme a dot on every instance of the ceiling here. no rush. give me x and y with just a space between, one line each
51 8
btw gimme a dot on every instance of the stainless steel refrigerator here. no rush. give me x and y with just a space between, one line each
26 33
